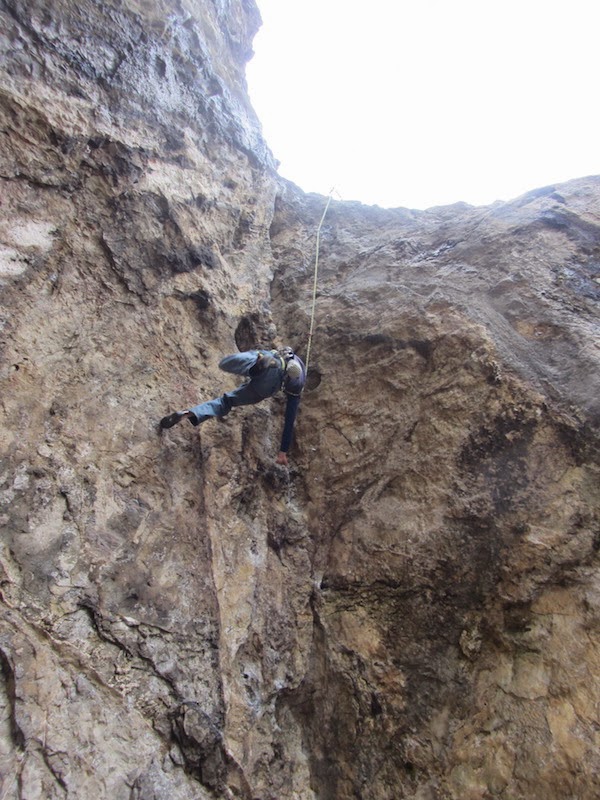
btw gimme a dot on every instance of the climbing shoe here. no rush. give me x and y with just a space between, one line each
177 416
172 419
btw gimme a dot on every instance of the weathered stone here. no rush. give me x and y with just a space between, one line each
411 609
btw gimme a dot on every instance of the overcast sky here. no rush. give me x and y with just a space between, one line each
426 102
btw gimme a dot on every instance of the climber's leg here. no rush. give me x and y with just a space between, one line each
242 396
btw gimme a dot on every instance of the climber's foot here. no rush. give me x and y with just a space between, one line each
174 418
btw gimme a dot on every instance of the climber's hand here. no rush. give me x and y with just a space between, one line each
281 458
264 362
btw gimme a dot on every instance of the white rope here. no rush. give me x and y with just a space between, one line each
314 295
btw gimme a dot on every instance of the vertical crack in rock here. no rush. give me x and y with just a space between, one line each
11 728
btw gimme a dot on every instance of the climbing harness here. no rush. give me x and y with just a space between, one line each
314 295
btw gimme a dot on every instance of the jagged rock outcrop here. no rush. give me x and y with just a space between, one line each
409 611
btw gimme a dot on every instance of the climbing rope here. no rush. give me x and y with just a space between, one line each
314 295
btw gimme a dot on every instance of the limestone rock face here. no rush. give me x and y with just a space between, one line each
411 609
453 484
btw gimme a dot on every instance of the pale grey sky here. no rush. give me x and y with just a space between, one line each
426 102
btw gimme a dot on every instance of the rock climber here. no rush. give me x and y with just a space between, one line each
268 371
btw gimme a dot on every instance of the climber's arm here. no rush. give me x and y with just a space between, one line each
291 410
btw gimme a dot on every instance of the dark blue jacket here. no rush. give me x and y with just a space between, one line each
267 382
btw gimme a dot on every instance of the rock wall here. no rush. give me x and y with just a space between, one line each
453 488
411 609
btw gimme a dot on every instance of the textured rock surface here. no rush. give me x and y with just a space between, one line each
411 611
454 491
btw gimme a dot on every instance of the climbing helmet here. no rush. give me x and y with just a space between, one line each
286 353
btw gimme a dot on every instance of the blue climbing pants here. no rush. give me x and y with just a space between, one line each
244 395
